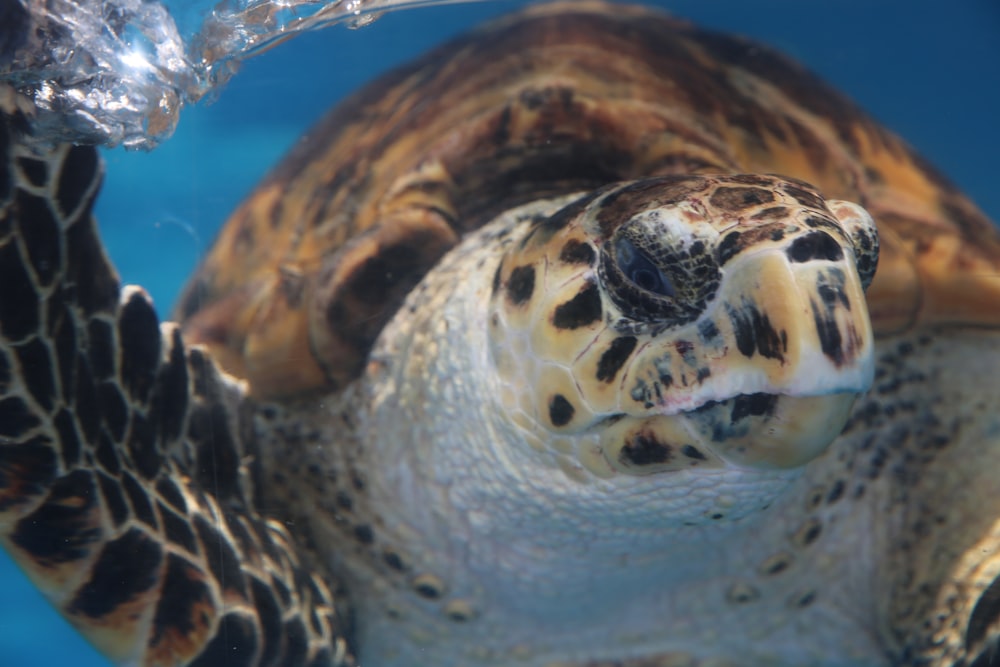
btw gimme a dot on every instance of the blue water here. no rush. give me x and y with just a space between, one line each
928 70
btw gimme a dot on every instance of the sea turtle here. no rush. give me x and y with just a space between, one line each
549 349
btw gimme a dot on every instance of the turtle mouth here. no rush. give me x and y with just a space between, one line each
757 403
756 431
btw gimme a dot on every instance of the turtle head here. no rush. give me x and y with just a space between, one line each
686 323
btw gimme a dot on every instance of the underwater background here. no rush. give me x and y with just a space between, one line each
928 70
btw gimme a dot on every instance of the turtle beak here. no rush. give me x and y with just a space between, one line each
772 387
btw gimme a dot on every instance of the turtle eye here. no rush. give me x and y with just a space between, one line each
640 270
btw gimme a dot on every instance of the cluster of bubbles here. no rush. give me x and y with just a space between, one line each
118 72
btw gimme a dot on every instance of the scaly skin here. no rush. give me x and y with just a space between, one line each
124 493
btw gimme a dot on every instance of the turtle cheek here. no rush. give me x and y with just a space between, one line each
654 445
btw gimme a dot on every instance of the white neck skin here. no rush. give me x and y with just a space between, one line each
550 563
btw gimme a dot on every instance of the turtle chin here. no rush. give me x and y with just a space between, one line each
769 431
760 431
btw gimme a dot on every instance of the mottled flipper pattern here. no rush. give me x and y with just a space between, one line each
124 490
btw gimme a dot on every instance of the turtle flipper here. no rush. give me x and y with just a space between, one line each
123 490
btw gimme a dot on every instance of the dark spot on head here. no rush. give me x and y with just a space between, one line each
563 217
729 246
521 285
580 311
754 332
814 245
614 357
644 448
577 252
830 340
707 331
561 411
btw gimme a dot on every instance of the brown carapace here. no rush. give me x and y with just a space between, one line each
555 100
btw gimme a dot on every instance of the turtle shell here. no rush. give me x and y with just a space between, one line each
561 98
